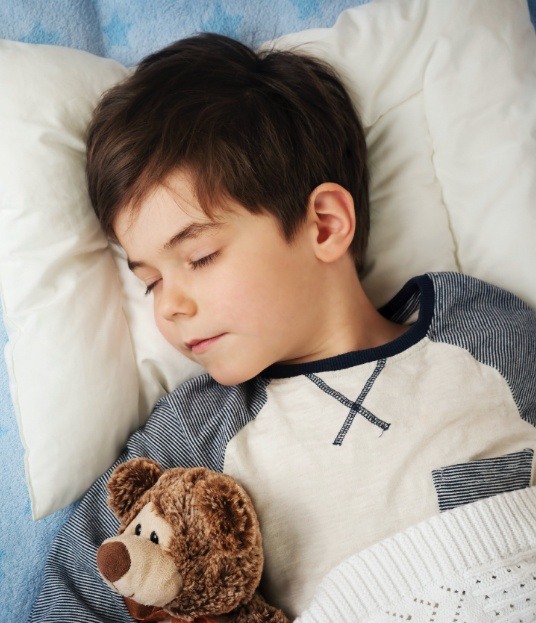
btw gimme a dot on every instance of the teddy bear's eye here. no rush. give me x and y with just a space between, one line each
154 537
137 530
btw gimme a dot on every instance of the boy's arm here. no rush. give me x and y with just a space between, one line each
72 588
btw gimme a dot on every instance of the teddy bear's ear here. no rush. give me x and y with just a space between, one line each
129 481
230 513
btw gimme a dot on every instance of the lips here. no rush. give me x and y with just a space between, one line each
200 346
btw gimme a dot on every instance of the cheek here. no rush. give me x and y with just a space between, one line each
263 289
241 295
164 327
170 334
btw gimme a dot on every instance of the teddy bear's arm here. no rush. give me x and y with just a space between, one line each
258 611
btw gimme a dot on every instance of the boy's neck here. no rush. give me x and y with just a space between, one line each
363 327
348 321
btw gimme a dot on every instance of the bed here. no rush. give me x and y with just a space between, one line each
38 487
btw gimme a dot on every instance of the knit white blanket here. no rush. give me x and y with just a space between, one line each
474 564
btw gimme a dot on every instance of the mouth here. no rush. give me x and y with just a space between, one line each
200 346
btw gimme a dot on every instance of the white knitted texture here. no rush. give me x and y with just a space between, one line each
475 563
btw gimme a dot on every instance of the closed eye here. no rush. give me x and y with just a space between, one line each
194 264
204 261
151 287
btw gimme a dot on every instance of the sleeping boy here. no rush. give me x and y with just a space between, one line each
236 183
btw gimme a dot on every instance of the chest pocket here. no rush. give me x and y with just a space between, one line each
464 483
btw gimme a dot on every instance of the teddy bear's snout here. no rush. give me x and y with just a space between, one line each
140 569
113 560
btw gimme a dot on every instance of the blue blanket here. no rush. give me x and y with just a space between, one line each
125 30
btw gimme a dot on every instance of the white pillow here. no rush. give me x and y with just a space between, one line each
85 361
446 91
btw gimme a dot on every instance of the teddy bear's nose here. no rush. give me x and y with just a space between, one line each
113 560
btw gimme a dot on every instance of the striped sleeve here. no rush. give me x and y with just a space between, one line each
72 589
496 327
191 426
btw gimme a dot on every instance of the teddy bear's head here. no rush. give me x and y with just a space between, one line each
189 540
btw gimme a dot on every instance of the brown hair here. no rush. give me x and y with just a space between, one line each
263 128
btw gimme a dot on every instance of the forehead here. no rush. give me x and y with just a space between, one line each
166 208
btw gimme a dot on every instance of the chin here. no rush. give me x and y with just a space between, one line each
232 377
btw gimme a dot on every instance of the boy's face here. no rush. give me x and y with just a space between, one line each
231 294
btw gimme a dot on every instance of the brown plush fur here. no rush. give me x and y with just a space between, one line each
128 482
216 543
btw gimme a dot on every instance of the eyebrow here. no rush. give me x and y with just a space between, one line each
192 231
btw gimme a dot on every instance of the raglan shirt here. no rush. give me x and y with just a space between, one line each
341 453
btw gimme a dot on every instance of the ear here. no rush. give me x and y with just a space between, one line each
332 214
129 481
229 513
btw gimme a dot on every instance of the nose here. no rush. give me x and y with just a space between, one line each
174 301
113 560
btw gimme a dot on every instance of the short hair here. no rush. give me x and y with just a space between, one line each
261 127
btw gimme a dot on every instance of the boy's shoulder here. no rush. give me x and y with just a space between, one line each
472 289
496 327
204 391
451 305
206 415
475 305
489 321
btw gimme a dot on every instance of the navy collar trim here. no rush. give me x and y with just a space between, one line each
418 293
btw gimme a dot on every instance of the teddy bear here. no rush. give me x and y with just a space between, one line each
189 547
